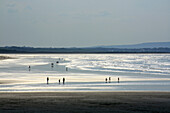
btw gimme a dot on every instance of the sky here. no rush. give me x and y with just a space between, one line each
83 23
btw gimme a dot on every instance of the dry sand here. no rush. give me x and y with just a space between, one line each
85 102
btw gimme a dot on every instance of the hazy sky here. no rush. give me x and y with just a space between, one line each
76 23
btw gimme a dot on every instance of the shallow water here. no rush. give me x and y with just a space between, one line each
86 72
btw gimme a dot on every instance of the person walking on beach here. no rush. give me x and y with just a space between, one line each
106 80
63 80
29 68
109 79
118 79
47 80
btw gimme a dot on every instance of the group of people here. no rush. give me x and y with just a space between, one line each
108 80
52 65
59 81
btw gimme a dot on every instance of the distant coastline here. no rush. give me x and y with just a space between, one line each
152 47
97 50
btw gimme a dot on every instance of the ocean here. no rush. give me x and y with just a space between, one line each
85 72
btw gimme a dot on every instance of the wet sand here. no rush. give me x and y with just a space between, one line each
85 102
5 57
8 81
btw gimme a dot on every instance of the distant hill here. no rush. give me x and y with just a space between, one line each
142 45
155 47
82 50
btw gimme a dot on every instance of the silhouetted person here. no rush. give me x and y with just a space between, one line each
29 68
52 65
59 81
63 80
57 62
118 79
66 68
106 80
47 80
109 79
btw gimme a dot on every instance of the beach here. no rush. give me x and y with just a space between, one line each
143 86
85 102
85 56
86 72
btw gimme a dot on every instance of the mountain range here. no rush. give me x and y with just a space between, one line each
155 47
141 45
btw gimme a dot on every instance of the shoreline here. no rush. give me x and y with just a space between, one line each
94 53
132 91
85 102
5 57
77 92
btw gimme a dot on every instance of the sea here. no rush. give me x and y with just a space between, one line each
85 72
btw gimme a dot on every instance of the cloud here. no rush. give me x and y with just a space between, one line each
15 7
28 8
11 7
104 14
11 10
85 15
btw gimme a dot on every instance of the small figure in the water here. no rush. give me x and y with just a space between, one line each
57 62
66 68
52 65
59 81
118 79
47 80
63 80
109 79
106 80
29 68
